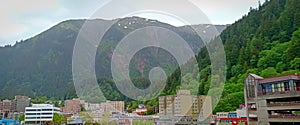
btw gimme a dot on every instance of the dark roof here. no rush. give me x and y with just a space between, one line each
280 78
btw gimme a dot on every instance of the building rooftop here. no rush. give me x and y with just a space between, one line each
280 78
42 105
256 76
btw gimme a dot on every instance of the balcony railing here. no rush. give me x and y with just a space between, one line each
284 104
285 116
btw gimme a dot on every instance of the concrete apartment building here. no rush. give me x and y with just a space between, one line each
40 113
21 102
184 105
272 100
113 106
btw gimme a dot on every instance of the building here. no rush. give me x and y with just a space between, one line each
16 105
113 106
272 100
100 109
72 106
21 102
161 105
183 105
40 113
7 106
108 106
237 117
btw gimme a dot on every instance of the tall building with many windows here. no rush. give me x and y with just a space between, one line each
40 113
183 103
273 100
184 107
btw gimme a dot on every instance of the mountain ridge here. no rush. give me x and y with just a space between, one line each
41 64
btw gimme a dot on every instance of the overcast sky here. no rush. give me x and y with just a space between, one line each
22 19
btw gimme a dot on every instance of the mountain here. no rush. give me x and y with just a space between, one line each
266 42
42 65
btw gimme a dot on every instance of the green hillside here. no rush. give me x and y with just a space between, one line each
266 42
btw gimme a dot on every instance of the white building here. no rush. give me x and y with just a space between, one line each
40 113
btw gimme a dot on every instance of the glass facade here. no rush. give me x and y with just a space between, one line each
278 87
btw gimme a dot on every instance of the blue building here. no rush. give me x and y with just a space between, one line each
9 122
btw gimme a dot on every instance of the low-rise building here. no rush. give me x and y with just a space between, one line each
40 113
16 105
72 106
7 106
273 100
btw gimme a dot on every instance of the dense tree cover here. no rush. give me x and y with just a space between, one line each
265 42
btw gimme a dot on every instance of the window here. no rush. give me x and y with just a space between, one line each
30 118
46 117
47 110
297 85
32 114
30 109
286 86
268 88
